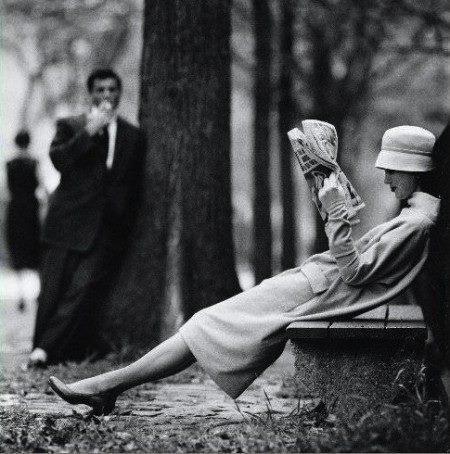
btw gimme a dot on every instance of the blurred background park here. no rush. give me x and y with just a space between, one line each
364 66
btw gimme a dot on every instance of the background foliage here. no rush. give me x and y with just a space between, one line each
365 66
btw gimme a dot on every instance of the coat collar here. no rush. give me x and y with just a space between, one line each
426 204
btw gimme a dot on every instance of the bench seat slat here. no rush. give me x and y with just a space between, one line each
401 329
405 313
379 313
384 322
357 329
308 330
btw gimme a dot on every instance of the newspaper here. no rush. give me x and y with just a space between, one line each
316 151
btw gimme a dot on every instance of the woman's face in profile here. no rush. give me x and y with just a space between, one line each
402 184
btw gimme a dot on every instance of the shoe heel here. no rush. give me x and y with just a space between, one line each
105 407
101 404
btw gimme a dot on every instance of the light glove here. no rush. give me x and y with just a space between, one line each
331 195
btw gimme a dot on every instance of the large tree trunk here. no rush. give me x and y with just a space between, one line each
262 250
286 121
182 256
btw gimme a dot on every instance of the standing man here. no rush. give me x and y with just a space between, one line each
100 158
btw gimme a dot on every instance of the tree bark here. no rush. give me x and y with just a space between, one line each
181 256
262 250
286 121
327 107
321 83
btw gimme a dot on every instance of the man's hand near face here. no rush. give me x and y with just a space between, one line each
98 117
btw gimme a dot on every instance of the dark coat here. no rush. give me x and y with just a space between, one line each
86 189
22 213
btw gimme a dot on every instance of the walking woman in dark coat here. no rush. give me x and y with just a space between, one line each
22 216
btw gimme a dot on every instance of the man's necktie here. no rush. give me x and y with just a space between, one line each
104 142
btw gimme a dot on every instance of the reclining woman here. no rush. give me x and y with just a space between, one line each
235 340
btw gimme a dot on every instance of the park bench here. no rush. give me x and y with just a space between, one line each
354 365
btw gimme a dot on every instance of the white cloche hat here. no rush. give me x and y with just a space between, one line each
406 149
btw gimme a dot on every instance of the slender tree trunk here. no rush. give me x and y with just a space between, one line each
286 122
321 85
182 255
326 108
262 250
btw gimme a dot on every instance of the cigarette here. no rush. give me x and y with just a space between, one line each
106 105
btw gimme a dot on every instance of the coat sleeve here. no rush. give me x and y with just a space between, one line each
397 250
68 146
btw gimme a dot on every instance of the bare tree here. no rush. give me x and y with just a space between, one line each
286 121
262 250
64 38
348 49
181 258
347 53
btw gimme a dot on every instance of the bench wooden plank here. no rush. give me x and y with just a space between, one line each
402 321
401 329
308 330
357 329
379 313
405 312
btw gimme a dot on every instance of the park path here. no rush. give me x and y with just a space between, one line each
16 327
163 403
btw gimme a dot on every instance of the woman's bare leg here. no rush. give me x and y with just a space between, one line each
168 358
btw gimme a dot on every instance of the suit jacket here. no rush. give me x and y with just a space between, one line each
87 188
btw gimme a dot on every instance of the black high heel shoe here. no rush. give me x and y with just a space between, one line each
102 404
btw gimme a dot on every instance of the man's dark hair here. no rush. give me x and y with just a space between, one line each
22 139
102 74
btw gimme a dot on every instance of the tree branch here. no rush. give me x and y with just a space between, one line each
430 17
420 49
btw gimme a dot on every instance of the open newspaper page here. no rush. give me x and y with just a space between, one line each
316 150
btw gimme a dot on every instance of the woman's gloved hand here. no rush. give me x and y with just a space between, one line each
331 194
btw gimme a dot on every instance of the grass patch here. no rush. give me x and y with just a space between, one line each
402 428
412 425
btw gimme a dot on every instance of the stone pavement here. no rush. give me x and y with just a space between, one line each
168 402
163 403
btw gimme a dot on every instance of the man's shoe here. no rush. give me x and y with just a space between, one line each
38 358
102 404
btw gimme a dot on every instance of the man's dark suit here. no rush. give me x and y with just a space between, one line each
89 218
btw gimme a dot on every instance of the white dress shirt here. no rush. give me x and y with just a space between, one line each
112 133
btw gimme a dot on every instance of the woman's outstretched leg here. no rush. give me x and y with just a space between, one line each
100 391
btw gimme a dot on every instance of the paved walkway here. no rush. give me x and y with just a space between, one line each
168 402
163 404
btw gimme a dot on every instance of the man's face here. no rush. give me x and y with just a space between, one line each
105 90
